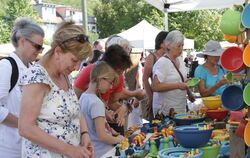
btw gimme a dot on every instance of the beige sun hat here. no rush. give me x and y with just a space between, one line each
212 48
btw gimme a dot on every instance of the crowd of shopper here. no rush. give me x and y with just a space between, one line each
45 113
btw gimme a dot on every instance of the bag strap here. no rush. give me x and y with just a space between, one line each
155 58
14 74
182 78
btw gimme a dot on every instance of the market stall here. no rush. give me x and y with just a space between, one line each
221 128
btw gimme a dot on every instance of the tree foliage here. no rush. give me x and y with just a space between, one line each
198 25
114 16
13 10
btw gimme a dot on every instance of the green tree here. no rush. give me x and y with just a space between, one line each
114 16
198 25
3 3
13 10
4 31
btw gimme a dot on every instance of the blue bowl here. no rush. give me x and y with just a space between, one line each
225 148
192 136
232 98
245 18
180 119
176 153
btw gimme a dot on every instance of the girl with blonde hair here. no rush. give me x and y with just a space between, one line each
102 78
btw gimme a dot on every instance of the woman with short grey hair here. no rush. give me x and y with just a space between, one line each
115 39
169 76
27 39
174 37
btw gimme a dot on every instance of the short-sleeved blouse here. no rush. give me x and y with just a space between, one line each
59 115
209 79
167 73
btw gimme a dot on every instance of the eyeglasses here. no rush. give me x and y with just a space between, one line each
38 47
80 38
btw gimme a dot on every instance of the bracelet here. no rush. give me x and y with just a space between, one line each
84 132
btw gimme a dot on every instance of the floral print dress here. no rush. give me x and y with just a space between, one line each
59 116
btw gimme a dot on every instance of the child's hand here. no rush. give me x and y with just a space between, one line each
109 116
120 138
120 115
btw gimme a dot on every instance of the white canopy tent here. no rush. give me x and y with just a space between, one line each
168 6
143 34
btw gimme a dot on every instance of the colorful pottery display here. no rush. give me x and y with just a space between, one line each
232 98
187 119
180 152
193 82
247 134
231 22
210 151
246 94
217 115
192 136
245 18
213 102
232 59
246 55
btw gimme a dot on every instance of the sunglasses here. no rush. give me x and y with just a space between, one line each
38 47
80 38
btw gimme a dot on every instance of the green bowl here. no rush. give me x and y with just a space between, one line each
210 151
193 82
246 94
229 77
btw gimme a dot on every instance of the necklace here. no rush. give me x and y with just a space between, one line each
61 82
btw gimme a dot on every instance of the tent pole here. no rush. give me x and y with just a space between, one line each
166 20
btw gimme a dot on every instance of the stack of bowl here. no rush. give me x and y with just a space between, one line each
187 119
178 152
214 109
193 136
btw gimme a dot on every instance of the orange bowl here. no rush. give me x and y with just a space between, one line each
230 39
246 56
246 134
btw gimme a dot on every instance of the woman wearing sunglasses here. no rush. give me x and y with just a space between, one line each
51 124
27 39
